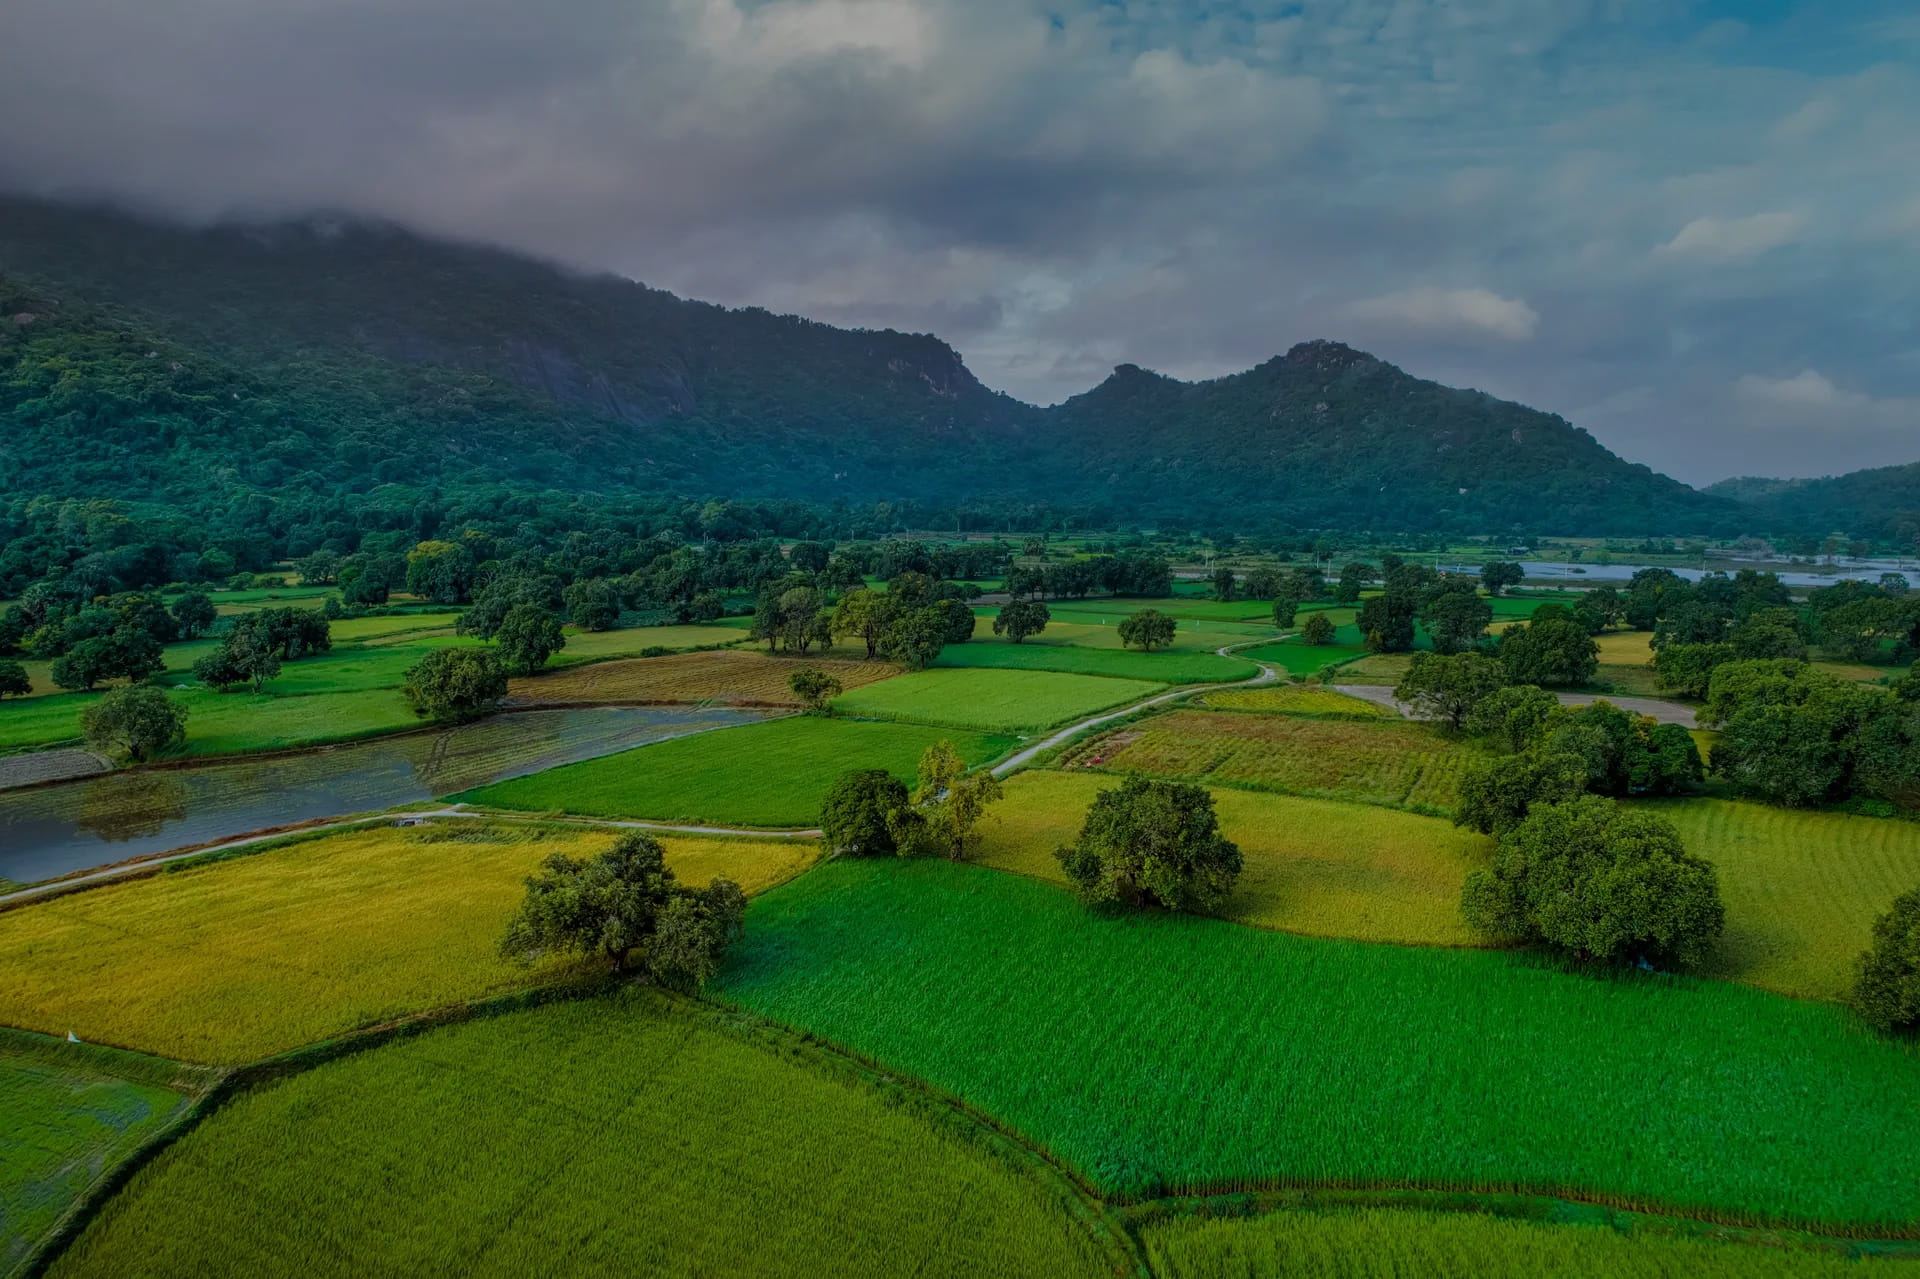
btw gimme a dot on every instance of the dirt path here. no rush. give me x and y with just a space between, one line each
1664 711
1266 675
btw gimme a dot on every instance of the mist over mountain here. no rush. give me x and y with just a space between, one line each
151 361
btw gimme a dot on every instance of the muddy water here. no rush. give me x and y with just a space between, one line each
95 821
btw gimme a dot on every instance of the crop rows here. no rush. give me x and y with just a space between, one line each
1376 763
1158 1052
1293 699
609 1136
1389 1243
1012 701
231 961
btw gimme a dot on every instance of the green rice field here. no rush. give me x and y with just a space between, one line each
1297 657
620 1135
1293 699
1157 1052
70 1113
1393 1243
1161 667
771 774
1008 701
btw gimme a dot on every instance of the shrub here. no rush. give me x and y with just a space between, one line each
1146 630
1886 987
1600 882
1152 841
816 689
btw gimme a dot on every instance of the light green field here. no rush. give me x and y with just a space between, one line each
1396 1243
1011 701
1156 1052
223 723
614 1136
1100 629
1297 657
1162 667
1313 866
1802 889
772 774
70 1113
229 961
592 646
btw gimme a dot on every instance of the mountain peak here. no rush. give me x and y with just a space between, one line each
1325 356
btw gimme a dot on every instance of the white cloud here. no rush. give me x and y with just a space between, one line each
1711 239
1810 398
1447 313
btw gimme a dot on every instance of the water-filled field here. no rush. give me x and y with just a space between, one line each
1159 1051
59 829
68 1114
228 961
622 1135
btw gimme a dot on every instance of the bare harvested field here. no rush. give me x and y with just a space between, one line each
727 675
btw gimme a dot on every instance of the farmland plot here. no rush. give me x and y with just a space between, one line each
727 676
772 774
70 1113
1389 762
228 961
1162 667
1012 701
1156 1051
1389 1243
1313 866
1293 699
622 1135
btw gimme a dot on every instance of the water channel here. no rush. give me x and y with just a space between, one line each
95 821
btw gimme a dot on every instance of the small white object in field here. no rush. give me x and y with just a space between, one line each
72 1038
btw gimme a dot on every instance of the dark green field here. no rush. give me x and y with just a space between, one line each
1156 1052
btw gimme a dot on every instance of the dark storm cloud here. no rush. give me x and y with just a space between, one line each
1691 228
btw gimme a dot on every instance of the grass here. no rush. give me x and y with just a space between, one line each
1388 1243
1297 657
612 1136
1384 761
1802 888
1155 1051
1012 701
772 774
1376 668
231 960
1313 866
731 676
589 646
70 1113
224 723
1100 629
1293 699
1164 667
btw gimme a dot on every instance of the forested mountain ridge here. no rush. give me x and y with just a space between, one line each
338 355
1883 502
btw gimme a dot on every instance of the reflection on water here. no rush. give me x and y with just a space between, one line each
98 820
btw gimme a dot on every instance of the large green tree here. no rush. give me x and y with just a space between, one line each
1449 688
1886 987
1600 882
1153 842
137 722
862 812
1146 630
455 684
527 637
1018 619
1552 652
622 901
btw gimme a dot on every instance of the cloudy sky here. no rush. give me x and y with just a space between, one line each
1691 226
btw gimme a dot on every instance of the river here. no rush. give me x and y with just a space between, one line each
95 821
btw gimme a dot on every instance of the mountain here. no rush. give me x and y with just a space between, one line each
1883 502
150 361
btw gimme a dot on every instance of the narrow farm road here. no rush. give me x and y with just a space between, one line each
1663 711
1019 759
344 823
